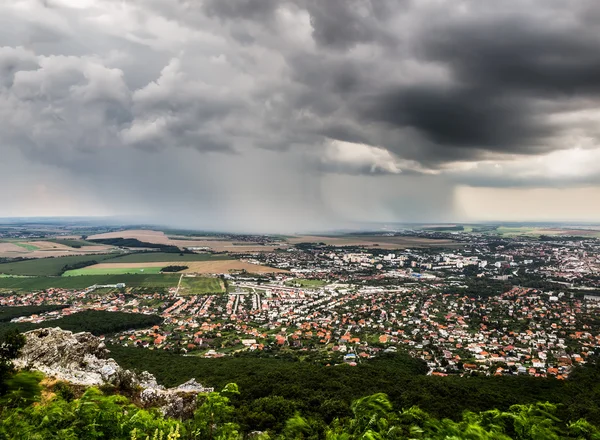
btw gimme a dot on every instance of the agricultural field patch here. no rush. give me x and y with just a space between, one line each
218 267
72 242
27 246
84 281
194 267
300 282
48 266
214 243
106 270
197 285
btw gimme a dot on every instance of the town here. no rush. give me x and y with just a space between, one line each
488 306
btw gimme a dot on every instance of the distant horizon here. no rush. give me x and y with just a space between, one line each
378 227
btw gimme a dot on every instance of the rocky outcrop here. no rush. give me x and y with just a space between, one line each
82 359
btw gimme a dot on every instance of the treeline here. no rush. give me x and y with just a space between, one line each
96 322
77 265
174 268
135 243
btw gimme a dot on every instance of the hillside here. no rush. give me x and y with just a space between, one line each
87 395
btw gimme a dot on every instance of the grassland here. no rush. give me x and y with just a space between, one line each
157 257
194 267
111 271
28 247
48 266
306 283
83 281
191 285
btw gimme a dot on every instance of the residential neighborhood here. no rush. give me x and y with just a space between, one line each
492 307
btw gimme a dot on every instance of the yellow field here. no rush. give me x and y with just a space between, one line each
48 249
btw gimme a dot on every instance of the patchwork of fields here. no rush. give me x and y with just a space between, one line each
48 266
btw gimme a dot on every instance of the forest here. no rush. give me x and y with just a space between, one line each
96 322
32 407
325 393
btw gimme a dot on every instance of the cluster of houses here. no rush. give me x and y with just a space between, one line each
371 302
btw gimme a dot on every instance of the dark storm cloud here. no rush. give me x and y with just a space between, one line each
241 9
307 88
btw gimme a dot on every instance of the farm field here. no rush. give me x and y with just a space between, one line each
72 242
28 247
306 283
83 281
199 267
213 243
105 270
49 248
380 241
47 266
536 232
158 257
193 285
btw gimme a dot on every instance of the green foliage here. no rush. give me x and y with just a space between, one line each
11 344
99 416
94 415
21 389
214 417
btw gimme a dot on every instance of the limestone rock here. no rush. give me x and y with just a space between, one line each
82 359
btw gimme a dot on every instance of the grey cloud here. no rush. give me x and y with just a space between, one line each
242 9
120 85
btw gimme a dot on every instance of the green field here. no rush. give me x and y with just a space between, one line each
112 271
83 281
306 283
200 286
48 266
27 246
156 257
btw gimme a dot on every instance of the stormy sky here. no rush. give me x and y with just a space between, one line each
277 115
